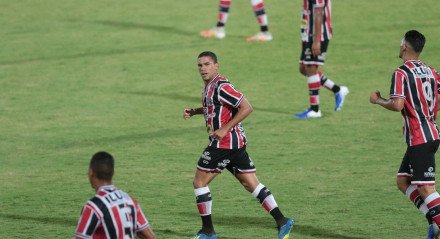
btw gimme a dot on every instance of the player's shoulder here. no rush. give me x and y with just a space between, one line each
221 81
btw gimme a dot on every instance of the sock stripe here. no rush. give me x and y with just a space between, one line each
434 203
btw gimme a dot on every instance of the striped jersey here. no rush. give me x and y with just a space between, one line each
220 104
418 84
111 213
307 20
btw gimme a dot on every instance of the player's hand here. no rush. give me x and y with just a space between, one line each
219 134
316 48
187 113
374 96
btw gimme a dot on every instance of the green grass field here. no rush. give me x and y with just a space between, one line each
81 76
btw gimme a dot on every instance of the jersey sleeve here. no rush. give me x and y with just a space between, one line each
437 78
229 95
319 3
397 89
88 222
141 220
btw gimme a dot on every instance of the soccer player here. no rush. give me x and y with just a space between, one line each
111 213
260 12
316 32
414 92
224 108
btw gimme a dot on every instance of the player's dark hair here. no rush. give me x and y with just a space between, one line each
416 40
103 164
209 54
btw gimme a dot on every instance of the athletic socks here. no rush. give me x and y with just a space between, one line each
433 204
257 6
313 83
204 204
414 196
260 12
265 197
224 6
327 83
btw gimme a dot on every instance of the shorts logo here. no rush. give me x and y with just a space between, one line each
206 157
223 163
430 173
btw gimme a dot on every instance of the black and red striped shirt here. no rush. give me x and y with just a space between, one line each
111 213
220 104
418 84
308 18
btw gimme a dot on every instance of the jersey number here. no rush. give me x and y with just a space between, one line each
429 96
126 214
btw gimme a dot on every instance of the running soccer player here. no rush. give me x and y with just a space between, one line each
414 92
111 213
260 12
224 108
316 32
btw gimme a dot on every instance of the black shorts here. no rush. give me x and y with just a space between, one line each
306 54
419 163
214 160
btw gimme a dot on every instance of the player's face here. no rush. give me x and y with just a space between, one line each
207 68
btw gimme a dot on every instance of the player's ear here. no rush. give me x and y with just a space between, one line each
90 173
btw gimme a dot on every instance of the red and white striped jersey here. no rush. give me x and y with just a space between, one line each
111 213
220 104
307 20
418 84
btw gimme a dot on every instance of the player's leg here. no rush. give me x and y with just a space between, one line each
260 12
204 199
206 171
403 182
244 170
422 161
264 196
219 30
308 66
339 91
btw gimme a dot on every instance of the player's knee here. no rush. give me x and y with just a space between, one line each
426 190
302 69
311 70
199 183
402 184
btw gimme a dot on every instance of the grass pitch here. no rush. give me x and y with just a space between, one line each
81 76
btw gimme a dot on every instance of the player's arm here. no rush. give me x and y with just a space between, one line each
189 112
393 104
244 109
147 233
318 18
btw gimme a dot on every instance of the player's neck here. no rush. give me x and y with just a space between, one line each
410 57
98 183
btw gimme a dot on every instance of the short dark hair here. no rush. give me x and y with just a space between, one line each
209 54
416 40
103 165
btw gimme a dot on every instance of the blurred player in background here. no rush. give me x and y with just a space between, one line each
111 213
260 12
316 32
414 92
224 108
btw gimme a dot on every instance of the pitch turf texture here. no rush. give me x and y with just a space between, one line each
77 77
